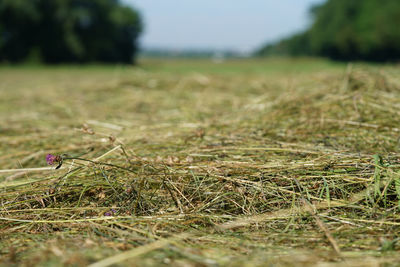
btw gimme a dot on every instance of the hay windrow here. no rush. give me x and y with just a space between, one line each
188 164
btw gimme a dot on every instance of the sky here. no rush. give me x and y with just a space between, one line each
240 25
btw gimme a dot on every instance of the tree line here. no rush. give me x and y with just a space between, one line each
68 31
347 30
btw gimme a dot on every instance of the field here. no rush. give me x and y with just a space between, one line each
192 163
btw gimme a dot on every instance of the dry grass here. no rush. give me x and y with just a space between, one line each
242 163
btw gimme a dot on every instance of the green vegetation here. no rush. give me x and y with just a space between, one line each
57 31
347 30
188 53
286 163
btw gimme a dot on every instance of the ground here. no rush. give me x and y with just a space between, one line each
273 162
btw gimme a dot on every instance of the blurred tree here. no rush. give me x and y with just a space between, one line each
333 33
297 45
347 30
68 30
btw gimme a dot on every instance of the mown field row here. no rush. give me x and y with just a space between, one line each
192 163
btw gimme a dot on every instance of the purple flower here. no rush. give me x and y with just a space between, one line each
50 158
110 212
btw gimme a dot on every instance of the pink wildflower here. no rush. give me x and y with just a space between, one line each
51 159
